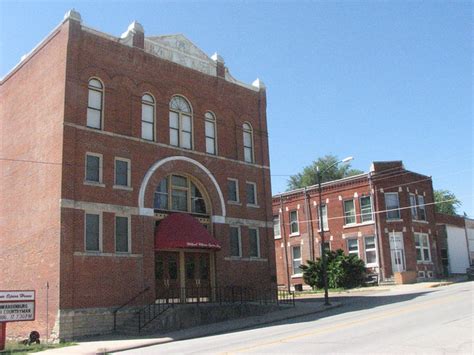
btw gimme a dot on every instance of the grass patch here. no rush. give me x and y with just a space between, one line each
16 348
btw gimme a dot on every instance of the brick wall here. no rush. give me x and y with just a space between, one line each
32 98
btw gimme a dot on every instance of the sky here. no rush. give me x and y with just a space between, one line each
376 80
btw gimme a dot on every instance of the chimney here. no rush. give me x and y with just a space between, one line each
219 64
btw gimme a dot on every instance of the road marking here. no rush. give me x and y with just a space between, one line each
384 314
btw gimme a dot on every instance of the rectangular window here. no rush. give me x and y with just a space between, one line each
422 246
174 128
296 257
148 122
254 241
93 168
276 227
294 227
186 132
92 231
233 190
251 189
325 218
235 243
413 209
365 209
122 172
353 247
392 205
349 212
122 236
421 208
370 253
210 128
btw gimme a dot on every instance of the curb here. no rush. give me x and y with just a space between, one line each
250 324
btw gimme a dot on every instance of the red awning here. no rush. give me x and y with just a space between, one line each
180 230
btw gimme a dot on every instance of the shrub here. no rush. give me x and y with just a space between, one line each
343 271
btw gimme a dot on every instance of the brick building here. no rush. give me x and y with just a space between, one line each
386 217
129 163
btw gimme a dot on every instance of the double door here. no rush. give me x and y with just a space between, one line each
183 276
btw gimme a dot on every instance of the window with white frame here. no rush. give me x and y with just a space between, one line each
353 247
235 242
122 234
92 231
122 172
349 212
422 246
365 209
254 241
232 190
276 227
370 252
325 217
181 125
413 209
248 142
95 103
392 205
421 208
148 117
296 259
294 227
210 132
93 168
251 189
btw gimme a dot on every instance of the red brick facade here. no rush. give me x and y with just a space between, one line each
361 227
45 198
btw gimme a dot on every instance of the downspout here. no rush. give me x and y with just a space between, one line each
309 223
282 223
378 232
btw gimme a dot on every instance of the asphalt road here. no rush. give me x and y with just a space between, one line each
414 320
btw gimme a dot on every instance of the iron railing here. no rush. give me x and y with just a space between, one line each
126 304
219 295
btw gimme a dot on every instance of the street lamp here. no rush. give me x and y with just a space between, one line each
321 222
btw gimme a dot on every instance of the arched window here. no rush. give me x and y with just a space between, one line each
248 142
181 125
210 130
179 193
148 117
94 104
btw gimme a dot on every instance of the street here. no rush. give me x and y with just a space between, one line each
410 320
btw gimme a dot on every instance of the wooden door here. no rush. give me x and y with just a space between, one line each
167 275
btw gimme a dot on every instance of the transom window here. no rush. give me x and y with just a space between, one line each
179 193
94 104
210 131
180 123
148 117
248 143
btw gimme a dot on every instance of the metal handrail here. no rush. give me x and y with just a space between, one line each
126 304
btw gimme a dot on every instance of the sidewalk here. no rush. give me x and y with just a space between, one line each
114 343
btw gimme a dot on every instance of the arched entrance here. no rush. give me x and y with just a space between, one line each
184 245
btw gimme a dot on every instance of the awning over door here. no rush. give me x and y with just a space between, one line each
180 230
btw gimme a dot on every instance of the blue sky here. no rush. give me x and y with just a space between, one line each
378 80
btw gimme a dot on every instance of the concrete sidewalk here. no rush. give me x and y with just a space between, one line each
115 343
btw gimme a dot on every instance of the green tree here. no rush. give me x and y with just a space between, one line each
446 202
309 174
344 271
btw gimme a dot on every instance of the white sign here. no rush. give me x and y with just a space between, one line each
17 296
17 306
